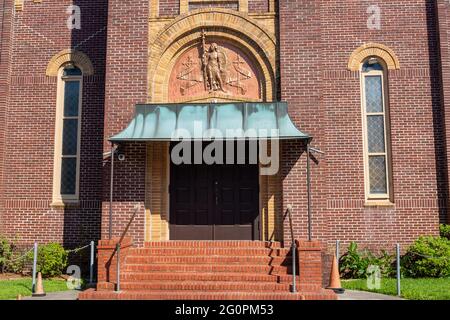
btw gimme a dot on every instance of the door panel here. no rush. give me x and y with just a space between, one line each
237 211
190 203
214 202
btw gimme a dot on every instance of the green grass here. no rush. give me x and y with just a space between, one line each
413 289
9 289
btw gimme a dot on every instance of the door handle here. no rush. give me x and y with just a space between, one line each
216 192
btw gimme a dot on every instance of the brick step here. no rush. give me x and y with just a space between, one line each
139 259
193 276
213 244
287 278
205 286
208 252
221 276
136 284
178 268
186 295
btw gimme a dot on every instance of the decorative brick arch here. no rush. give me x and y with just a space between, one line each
80 59
185 31
373 49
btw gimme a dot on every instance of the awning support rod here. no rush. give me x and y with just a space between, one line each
308 182
111 190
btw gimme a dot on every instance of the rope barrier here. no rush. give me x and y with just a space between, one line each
76 250
21 257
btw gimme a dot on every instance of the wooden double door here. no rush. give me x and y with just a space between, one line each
214 202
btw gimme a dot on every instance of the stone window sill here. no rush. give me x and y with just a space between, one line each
379 203
63 204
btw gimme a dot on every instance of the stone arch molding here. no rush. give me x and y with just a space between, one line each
373 49
79 58
184 32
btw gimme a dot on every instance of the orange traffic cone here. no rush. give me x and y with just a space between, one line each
39 292
335 280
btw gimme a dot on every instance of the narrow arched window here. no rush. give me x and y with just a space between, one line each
377 163
67 134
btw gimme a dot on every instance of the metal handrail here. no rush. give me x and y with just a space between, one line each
293 249
118 245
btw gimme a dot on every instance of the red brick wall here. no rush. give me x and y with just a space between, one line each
444 40
258 6
219 4
107 259
300 71
40 32
5 45
325 101
310 262
316 40
129 190
126 85
169 7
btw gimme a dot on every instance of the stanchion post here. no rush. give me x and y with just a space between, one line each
91 264
338 244
294 262
118 267
35 253
399 291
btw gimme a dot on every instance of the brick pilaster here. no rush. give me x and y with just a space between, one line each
107 261
310 262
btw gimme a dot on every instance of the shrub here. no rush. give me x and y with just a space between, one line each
5 253
11 257
428 257
354 264
386 262
51 260
445 230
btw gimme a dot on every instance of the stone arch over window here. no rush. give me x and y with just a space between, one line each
373 50
185 32
76 57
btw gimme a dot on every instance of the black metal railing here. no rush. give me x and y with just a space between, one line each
294 251
119 244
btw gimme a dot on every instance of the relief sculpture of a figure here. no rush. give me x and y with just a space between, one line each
214 66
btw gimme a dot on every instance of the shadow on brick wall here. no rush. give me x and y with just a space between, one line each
440 143
83 223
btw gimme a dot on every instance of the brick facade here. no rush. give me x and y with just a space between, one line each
169 7
29 121
126 85
258 6
332 96
5 45
443 15
314 42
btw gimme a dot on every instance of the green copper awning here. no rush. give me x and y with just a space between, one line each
227 121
